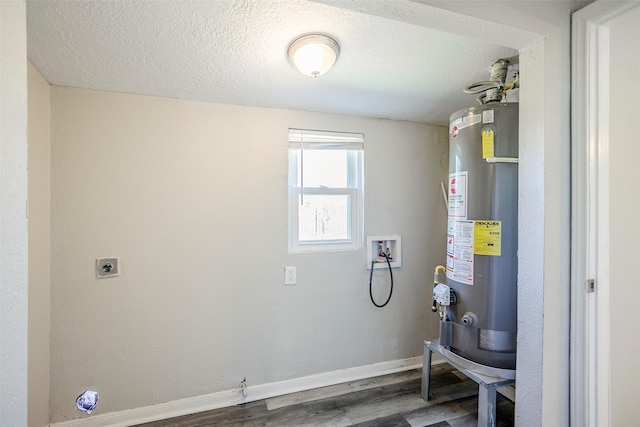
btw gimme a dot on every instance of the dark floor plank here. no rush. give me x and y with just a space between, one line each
504 413
245 413
301 416
410 400
341 389
391 421
436 413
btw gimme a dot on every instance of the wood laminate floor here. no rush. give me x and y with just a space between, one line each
386 401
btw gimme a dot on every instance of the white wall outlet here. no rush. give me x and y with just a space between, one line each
107 267
289 275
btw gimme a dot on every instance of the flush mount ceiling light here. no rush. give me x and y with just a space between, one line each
313 54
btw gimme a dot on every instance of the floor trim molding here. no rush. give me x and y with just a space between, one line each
227 398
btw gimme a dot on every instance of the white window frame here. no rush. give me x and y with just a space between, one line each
301 140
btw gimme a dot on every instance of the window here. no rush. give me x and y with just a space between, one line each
325 190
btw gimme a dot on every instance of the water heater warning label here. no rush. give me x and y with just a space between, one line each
487 142
460 251
458 195
487 238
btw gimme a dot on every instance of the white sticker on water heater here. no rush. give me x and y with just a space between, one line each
460 251
458 195
487 116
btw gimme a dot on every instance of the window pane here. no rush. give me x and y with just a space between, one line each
323 217
324 168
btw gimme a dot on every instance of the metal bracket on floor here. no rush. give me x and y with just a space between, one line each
487 384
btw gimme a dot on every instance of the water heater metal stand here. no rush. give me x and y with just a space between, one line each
487 385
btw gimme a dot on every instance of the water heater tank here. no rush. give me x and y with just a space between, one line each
482 237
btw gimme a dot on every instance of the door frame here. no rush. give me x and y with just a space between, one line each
590 322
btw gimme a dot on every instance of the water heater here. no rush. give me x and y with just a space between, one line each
478 320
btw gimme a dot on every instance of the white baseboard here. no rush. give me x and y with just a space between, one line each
227 398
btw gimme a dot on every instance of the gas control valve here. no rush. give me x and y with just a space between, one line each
444 295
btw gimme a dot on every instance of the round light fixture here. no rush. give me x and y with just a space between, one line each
313 54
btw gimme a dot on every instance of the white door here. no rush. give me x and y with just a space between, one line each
606 215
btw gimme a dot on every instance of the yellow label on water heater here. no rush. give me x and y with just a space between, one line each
487 143
487 237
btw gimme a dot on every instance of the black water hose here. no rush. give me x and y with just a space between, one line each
371 277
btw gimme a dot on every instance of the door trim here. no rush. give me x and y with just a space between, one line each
590 355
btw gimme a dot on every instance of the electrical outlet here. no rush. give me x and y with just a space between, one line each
289 275
107 267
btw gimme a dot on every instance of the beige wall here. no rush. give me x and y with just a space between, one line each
13 218
39 165
624 228
193 198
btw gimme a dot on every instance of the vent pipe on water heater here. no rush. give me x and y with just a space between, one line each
496 87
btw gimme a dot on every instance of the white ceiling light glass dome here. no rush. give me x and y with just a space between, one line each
313 54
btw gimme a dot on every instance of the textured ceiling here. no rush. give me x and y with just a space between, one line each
234 52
